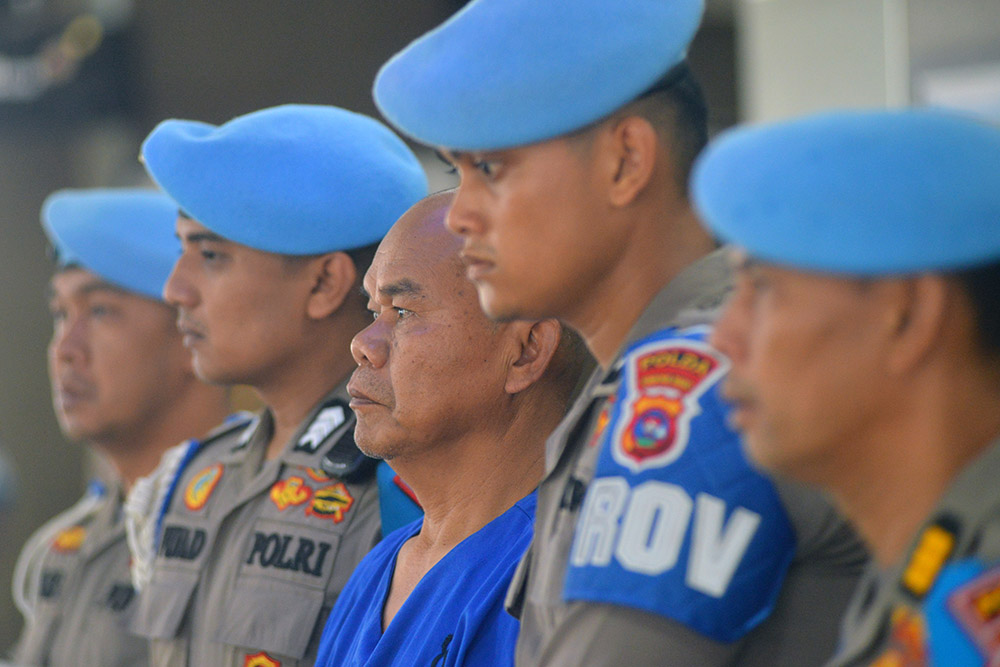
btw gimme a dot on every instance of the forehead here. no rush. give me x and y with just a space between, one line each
77 282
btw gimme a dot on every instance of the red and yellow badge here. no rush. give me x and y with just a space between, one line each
69 540
603 420
317 475
331 502
664 381
201 486
907 641
260 660
290 492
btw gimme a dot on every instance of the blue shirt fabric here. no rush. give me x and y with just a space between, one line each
454 616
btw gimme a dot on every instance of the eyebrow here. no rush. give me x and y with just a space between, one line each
447 156
197 237
403 287
96 286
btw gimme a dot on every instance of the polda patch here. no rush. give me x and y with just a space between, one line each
201 486
664 382
331 502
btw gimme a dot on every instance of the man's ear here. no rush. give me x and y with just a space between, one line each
917 322
332 276
633 142
537 343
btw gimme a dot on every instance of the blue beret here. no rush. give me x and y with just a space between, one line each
125 236
863 192
503 73
294 179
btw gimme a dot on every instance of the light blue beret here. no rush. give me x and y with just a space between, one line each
124 235
503 73
293 179
863 192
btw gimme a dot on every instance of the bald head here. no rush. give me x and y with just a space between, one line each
432 368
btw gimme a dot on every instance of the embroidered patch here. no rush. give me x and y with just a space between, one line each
976 607
290 492
930 555
326 422
317 475
69 540
201 486
665 380
260 660
907 641
602 422
331 502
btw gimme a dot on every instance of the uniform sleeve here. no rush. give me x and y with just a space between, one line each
676 522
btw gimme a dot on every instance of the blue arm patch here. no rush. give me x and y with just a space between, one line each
962 615
396 506
676 521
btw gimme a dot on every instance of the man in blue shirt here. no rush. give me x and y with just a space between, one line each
573 125
461 407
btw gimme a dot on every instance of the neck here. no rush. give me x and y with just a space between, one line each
906 466
487 473
657 251
293 391
136 454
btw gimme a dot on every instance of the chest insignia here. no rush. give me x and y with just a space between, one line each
932 552
907 641
69 540
290 492
201 486
260 660
331 502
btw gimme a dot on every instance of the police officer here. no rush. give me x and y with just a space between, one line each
122 382
260 527
864 334
573 126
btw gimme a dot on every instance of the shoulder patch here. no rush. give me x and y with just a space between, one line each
676 521
664 380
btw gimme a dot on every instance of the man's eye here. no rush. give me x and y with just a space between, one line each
99 310
209 255
402 313
489 168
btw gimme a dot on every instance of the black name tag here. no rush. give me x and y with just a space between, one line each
182 542
285 552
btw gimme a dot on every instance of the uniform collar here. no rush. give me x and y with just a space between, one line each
700 287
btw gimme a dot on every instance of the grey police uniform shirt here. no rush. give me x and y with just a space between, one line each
85 596
940 605
252 553
801 629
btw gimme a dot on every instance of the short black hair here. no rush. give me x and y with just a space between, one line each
361 256
982 285
675 106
